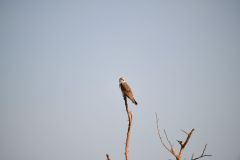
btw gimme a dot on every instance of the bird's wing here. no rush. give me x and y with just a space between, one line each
125 87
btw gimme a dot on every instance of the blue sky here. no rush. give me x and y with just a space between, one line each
60 62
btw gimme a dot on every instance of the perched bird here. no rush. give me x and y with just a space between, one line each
180 142
126 90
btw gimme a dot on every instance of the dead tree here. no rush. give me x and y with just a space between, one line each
170 148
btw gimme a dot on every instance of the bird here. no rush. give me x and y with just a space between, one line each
126 90
180 142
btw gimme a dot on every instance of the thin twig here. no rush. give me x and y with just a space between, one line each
159 135
202 155
169 142
184 131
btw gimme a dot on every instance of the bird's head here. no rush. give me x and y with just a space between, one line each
121 80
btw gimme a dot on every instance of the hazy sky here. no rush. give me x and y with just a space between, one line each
59 67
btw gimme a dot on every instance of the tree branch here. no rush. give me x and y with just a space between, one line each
169 142
108 158
171 149
202 155
129 113
159 135
183 144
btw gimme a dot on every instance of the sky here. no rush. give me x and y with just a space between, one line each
60 62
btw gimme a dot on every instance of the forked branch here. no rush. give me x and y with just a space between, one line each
202 155
183 144
169 149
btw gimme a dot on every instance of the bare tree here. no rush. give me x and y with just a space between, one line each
170 148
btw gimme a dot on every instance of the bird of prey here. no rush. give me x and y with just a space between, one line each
126 90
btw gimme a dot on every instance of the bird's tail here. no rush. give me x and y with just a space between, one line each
134 101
